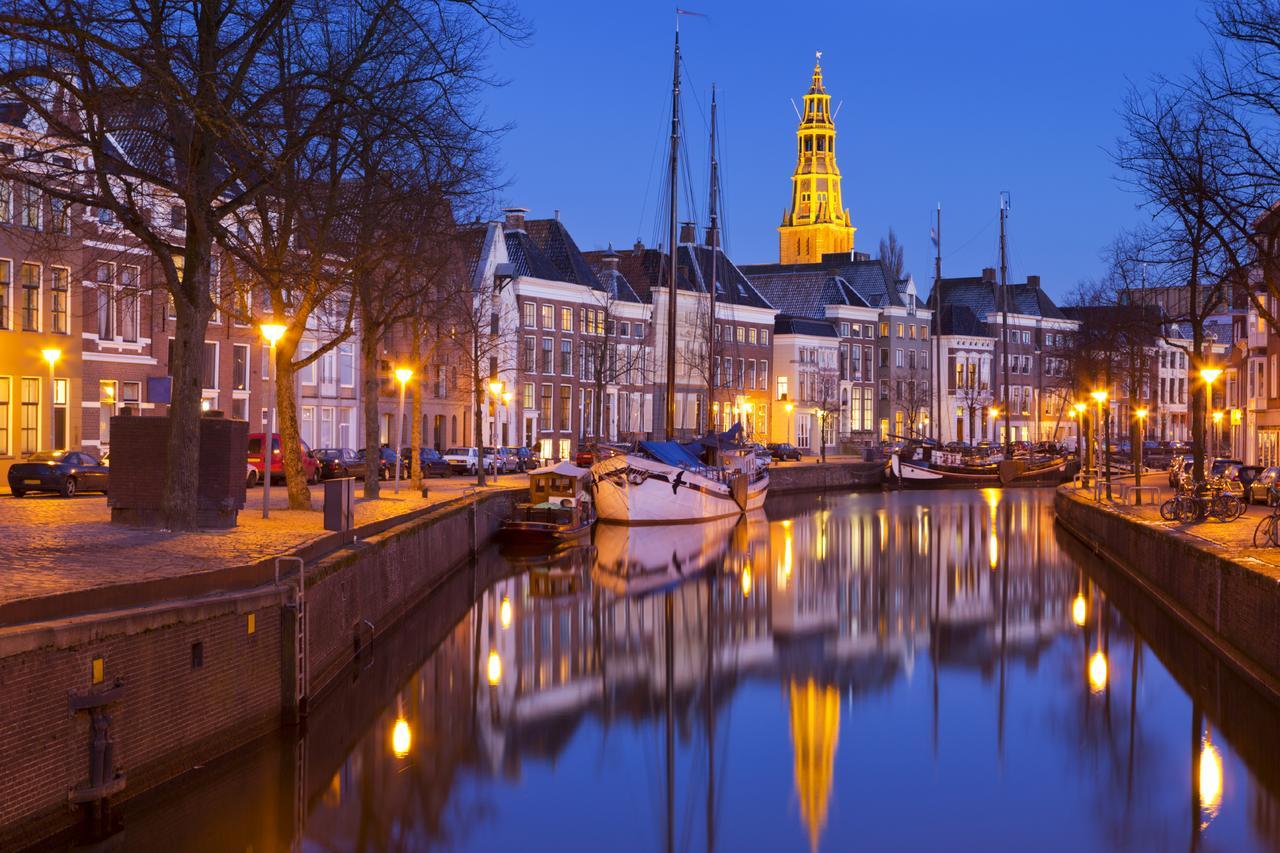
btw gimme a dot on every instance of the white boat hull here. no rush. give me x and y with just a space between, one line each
638 490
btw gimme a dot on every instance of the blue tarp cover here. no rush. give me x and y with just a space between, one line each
670 453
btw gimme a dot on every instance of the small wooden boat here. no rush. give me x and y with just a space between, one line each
559 510
940 468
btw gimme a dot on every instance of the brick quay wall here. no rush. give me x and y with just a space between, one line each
828 477
180 682
1230 606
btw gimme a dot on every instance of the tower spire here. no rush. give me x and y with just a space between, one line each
817 222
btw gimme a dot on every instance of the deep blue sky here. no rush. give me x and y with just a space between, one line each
943 102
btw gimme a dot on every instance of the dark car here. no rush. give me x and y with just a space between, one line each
782 452
339 462
63 471
1259 489
386 461
429 460
527 460
1246 474
1221 465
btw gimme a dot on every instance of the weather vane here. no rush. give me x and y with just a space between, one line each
819 54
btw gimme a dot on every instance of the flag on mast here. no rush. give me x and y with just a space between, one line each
680 11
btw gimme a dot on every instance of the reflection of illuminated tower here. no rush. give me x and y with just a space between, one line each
815 730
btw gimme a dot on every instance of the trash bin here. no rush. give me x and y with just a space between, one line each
339 503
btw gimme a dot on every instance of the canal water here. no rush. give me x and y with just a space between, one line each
896 671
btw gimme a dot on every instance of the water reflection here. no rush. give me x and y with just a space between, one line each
896 671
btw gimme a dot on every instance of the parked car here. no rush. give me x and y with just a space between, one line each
66 472
463 460
783 451
339 462
386 459
1220 466
429 460
1246 474
1259 489
251 476
763 454
527 458
507 461
310 467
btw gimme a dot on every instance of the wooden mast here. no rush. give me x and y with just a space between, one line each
671 245
713 237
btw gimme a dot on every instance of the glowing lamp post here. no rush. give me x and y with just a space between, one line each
993 413
52 355
790 407
403 375
1209 375
272 332
1141 414
1100 397
496 388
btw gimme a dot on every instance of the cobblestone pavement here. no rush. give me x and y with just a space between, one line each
50 544
1235 536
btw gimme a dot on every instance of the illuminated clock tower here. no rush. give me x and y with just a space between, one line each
817 222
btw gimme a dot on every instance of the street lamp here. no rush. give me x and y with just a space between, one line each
1209 375
1100 397
1141 414
1217 428
273 332
52 355
403 375
790 407
993 412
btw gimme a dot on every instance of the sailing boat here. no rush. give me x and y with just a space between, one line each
667 482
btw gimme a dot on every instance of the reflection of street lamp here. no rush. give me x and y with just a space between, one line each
504 612
403 375
401 738
1098 672
746 582
1079 610
494 673
52 355
273 332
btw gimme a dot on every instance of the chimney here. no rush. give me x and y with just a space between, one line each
989 275
557 214
638 248
515 218
1033 281
609 261
688 233
861 256
713 238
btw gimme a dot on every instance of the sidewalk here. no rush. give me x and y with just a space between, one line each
1234 537
55 545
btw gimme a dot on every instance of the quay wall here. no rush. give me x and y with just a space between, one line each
829 477
187 677
1233 608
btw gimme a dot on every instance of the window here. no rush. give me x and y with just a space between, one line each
347 365
209 365
105 275
638 330
742 334
751 373
307 374
566 408
884 389
548 316
782 387
529 314
546 365
764 376
900 330
728 373
105 216
32 214
4 416
1026 337
566 357
742 372
240 367
912 330
844 330
60 413
566 320
526 399
29 426
764 337
128 309
6 201
884 328
528 354
29 279
178 217
751 336
58 283
544 410
60 216
624 329
897 357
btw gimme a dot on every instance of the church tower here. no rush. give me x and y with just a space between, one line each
817 222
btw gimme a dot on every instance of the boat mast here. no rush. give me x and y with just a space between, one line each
713 237
1004 317
937 329
671 246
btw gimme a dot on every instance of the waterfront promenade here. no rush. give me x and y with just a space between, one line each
56 546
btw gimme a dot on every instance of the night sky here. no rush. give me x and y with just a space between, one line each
942 102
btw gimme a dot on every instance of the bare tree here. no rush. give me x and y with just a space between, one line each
608 356
974 396
911 397
892 258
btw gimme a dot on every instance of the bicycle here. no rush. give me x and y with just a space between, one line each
1267 531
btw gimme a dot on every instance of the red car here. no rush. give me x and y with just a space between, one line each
310 466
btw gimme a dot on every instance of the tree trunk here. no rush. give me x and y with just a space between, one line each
369 402
295 476
415 430
179 502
